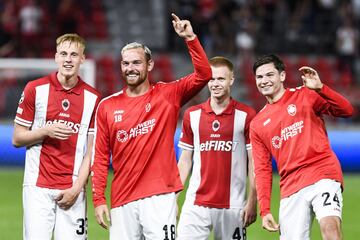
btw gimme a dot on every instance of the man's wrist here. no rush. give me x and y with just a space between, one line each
190 37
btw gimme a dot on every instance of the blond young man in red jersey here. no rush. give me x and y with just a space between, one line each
216 147
291 129
55 120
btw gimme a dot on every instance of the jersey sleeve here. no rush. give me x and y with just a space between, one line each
187 87
263 171
332 103
26 109
186 136
101 157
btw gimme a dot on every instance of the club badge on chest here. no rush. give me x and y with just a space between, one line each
215 125
65 104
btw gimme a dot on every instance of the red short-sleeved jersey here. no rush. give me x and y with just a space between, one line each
293 132
139 134
219 144
55 163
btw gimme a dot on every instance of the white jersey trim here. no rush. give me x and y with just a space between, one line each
81 144
23 122
32 162
185 146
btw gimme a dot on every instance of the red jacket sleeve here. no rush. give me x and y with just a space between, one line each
188 86
332 103
263 171
101 157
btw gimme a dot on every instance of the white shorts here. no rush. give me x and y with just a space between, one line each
297 211
43 218
148 218
196 222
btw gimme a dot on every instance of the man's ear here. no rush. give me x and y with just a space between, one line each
282 76
150 65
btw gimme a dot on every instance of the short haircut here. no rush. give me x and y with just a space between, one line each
221 61
135 45
72 38
269 58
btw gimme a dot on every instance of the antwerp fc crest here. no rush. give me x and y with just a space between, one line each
215 125
65 104
291 109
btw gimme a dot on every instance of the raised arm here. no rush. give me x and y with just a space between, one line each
191 84
331 103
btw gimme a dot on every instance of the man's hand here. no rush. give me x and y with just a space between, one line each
183 28
100 211
58 131
249 214
311 78
67 198
269 223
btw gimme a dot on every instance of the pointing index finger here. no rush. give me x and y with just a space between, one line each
176 18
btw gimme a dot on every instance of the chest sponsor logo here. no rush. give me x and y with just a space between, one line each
291 109
287 133
215 125
65 104
118 115
76 127
140 129
215 145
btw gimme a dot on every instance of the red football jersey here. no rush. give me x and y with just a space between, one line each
292 130
55 163
219 144
139 133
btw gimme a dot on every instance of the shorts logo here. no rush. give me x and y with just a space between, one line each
215 125
291 109
65 104
147 107
22 97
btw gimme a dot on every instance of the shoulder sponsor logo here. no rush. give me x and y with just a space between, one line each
65 104
287 133
140 129
19 110
215 125
291 109
267 122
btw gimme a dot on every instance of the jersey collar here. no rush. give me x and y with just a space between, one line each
58 87
228 111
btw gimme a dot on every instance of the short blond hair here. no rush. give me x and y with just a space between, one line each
221 61
72 38
135 45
